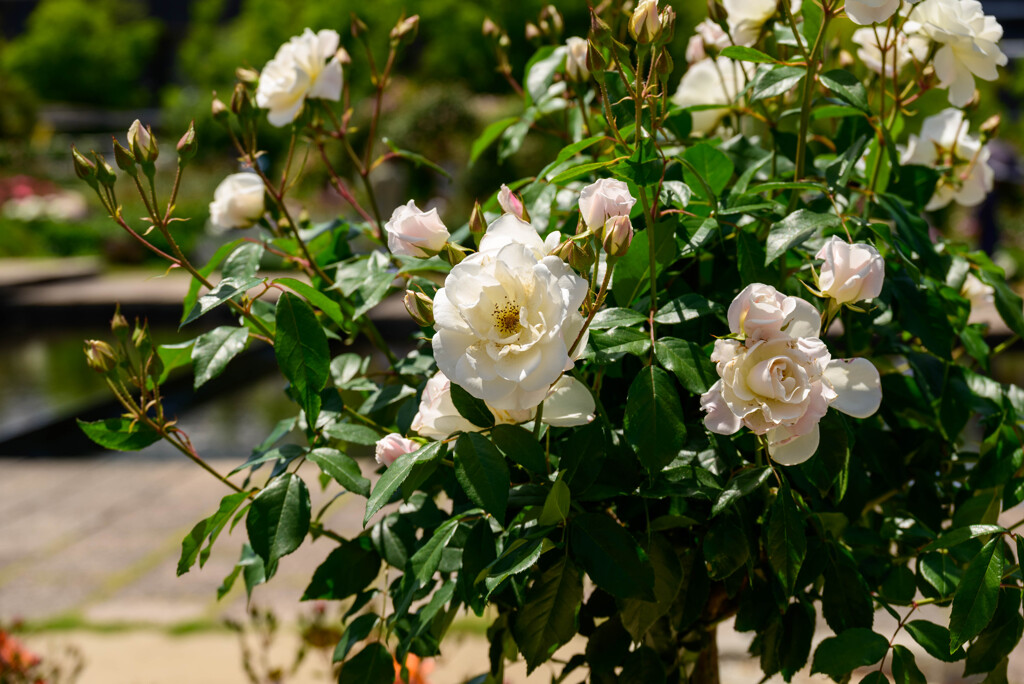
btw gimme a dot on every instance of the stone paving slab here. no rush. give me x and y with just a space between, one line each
22 271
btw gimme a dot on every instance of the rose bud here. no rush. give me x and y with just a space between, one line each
645 23
420 308
124 159
417 233
390 447
187 145
511 203
604 199
218 110
142 143
477 222
576 60
104 172
851 273
100 356
84 168
618 233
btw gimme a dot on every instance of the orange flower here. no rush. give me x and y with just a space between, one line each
418 670
13 656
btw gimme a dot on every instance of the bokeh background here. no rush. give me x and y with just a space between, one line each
88 541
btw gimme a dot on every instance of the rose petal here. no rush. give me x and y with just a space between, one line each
857 385
569 403
794 451
719 419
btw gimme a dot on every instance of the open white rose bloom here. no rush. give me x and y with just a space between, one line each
716 81
507 317
946 143
238 201
781 379
304 67
900 50
968 43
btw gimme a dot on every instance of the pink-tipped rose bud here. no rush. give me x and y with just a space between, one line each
851 273
391 446
511 203
412 232
618 233
142 143
100 356
187 145
604 199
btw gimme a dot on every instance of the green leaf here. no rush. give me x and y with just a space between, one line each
975 600
224 290
352 433
540 71
581 170
417 159
688 307
875 678
747 481
278 519
794 230
318 299
615 317
842 654
120 434
519 556
213 351
939 571
846 602
725 547
173 356
207 528
488 136
643 168
483 474
244 262
519 445
396 474
372 665
847 88
654 423
1008 303
706 165
1000 638
345 572
904 667
934 639
632 274
556 504
609 346
301 350
962 534
638 615
426 559
785 539
567 153
342 467
747 54
355 631
775 81
472 409
547 619
610 555
189 301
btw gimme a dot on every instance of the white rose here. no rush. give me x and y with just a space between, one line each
746 17
761 312
305 67
851 273
711 82
945 142
601 200
576 59
969 43
417 233
865 12
506 318
568 403
780 387
391 446
508 229
896 57
708 34
237 201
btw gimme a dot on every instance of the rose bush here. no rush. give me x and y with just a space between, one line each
615 421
